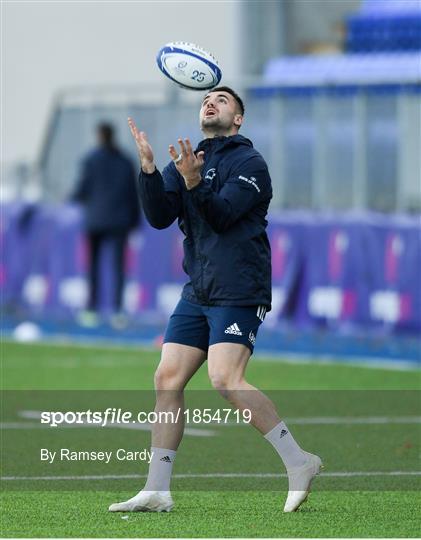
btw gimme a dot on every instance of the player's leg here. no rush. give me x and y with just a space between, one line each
119 242
229 352
177 366
226 367
233 332
227 363
89 317
179 362
94 241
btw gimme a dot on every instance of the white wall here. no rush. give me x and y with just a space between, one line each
314 23
47 46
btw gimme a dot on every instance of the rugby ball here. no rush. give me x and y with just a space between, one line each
188 65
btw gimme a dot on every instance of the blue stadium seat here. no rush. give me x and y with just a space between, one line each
385 26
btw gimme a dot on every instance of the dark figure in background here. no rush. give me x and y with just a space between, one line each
107 190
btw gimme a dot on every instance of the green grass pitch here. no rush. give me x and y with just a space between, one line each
365 506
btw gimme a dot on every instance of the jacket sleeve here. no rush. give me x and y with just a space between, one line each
81 191
247 186
160 197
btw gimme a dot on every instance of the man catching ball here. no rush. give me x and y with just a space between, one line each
220 194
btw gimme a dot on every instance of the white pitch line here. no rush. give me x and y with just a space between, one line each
194 432
338 474
137 426
338 420
304 420
320 420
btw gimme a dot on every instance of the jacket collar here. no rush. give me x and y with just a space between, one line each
216 144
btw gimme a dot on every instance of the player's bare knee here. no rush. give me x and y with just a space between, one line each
224 382
166 378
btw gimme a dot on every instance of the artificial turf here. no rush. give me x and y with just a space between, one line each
213 507
211 514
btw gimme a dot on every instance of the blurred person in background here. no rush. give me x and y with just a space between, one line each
107 191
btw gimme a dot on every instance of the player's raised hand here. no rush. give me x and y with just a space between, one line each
144 149
187 162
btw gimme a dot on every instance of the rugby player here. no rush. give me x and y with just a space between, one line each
220 194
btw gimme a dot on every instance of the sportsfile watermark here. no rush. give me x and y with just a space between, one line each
113 415
93 440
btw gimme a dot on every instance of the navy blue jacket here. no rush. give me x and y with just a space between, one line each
107 190
226 248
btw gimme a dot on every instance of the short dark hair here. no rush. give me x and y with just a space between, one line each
105 132
230 91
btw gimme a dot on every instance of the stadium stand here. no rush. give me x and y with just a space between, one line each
391 25
340 132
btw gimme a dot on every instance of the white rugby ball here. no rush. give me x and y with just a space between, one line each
188 65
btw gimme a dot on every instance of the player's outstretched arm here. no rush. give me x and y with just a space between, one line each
144 149
159 194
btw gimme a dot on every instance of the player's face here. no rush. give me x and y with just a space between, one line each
219 114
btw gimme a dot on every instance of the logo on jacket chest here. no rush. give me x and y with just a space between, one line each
210 174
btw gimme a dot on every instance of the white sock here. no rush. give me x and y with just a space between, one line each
286 446
160 469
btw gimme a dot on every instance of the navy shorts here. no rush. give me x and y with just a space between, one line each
201 326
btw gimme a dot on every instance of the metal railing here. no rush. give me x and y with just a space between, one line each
327 148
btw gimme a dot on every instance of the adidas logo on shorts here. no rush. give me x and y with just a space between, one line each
234 329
